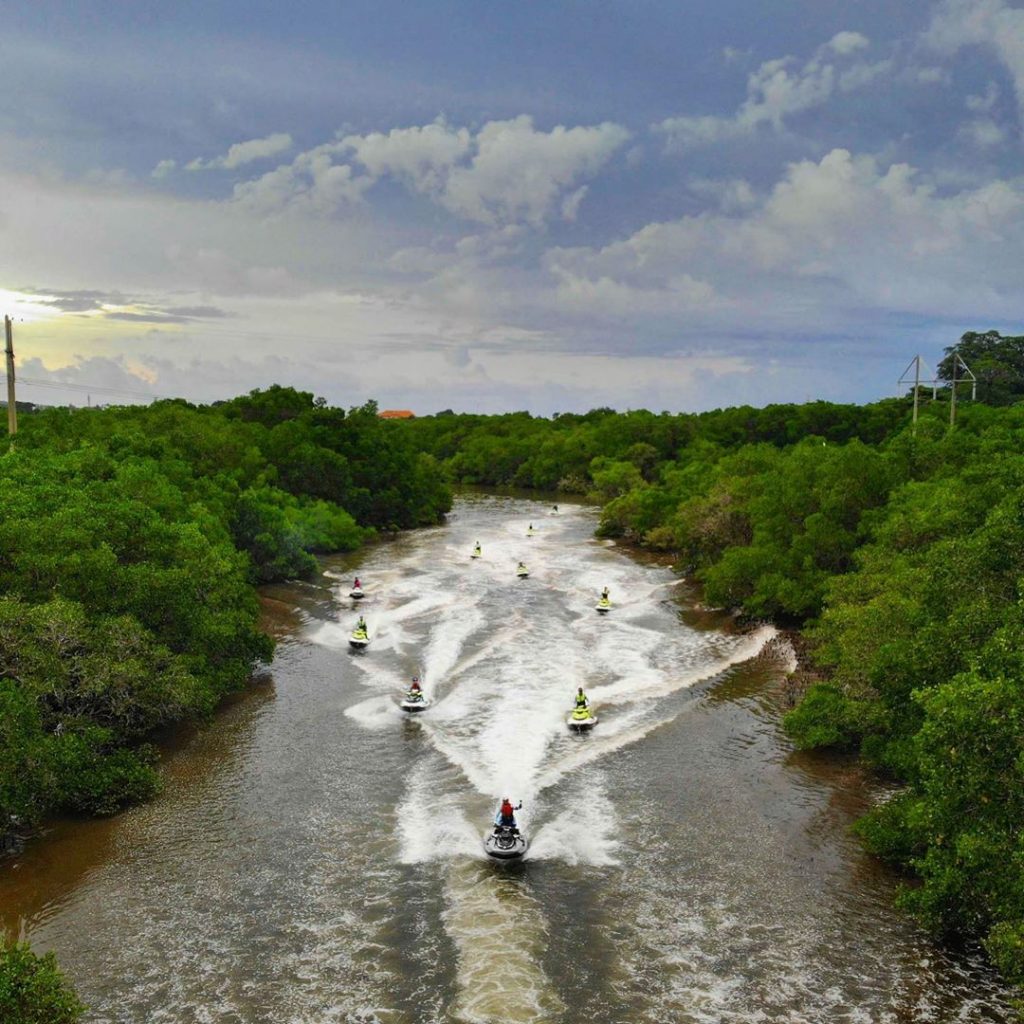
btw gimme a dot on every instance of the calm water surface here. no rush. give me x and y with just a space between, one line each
316 855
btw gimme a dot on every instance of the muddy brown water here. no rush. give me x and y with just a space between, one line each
316 856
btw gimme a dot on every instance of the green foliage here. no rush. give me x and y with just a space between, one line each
33 990
129 542
827 717
997 362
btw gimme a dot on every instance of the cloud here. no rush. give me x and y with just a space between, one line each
242 153
989 23
834 235
506 172
313 184
421 155
847 42
115 305
983 132
518 172
780 89
984 104
163 169
571 203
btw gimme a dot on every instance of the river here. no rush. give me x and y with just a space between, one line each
316 855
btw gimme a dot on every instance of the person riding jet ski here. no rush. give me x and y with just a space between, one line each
506 816
415 699
581 718
505 841
522 571
356 585
477 551
605 595
361 624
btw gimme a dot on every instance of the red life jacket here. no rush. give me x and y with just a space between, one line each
507 810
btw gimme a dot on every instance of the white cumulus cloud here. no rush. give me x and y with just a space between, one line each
507 172
779 89
242 153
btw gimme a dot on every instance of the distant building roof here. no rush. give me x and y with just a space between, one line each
396 414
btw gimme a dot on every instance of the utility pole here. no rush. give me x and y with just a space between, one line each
959 364
12 405
904 379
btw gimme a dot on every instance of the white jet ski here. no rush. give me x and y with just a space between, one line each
505 843
357 593
413 701
581 720
359 639
604 605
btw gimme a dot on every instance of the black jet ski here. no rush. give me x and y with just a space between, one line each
581 719
505 842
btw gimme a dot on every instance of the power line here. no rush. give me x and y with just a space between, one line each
100 389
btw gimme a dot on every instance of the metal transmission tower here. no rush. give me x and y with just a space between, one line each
913 375
905 378
959 364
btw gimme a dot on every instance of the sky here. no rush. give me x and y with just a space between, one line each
481 206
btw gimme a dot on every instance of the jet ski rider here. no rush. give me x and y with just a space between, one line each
581 699
604 594
361 624
357 585
415 687
506 816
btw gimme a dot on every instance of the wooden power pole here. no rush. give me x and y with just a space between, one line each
12 405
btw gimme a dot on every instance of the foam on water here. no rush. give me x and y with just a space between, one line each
499 933
504 657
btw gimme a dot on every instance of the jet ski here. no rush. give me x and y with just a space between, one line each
359 639
522 572
505 842
413 701
604 605
581 720
477 552
531 531
356 593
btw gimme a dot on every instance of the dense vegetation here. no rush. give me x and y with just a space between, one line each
130 540
901 552
32 989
